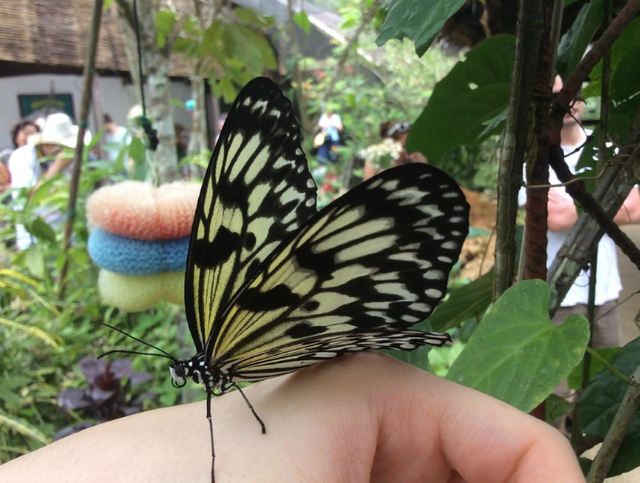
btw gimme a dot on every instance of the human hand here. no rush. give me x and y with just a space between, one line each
562 212
358 418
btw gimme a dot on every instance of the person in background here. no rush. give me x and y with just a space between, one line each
57 133
21 132
391 152
19 135
115 138
330 126
562 215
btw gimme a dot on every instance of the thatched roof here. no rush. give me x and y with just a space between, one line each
52 35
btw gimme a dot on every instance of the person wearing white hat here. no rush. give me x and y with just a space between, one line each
58 132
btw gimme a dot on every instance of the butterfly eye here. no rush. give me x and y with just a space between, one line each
178 372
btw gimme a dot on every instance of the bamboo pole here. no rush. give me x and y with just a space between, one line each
89 70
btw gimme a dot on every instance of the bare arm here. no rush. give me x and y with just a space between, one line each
60 163
359 418
562 212
629 212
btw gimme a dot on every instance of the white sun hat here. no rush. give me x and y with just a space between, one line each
58 129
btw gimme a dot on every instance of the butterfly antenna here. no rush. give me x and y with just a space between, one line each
123 351
166 354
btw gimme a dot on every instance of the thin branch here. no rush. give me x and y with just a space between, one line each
85 108
617 431
610 367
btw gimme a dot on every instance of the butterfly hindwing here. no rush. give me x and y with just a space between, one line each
257 191
372 263
298 354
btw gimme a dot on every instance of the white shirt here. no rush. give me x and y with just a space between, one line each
25 173
24 167
114 142
608 284
331 125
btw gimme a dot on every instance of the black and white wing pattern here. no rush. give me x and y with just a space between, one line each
272 286
256 192
354 277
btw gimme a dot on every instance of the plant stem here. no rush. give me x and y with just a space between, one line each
89 70
611 368
528 38
617 431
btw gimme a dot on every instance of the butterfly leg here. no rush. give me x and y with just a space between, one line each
264 429
213 451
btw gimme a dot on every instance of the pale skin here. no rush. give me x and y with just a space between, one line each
61 161
358 418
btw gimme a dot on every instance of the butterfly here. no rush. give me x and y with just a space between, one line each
273 286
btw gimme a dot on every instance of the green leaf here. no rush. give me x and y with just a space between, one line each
34 260
23 427
225 88
556 407
417 20
185 46
31 330
302 21
249 16
473 94
80 256
441 358
165 20
575 41
516 354
136 150
42 231
464 303
600 401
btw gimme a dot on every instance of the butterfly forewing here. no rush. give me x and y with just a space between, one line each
369 265
256 192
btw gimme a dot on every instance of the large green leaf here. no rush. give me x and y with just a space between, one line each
473 94
464 303
516 354
417 20
574 43
600 401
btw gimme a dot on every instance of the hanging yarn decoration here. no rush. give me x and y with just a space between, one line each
140 241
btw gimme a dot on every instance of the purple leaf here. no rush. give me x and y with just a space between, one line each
92 368
140 377
100 396
121 368
71 399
